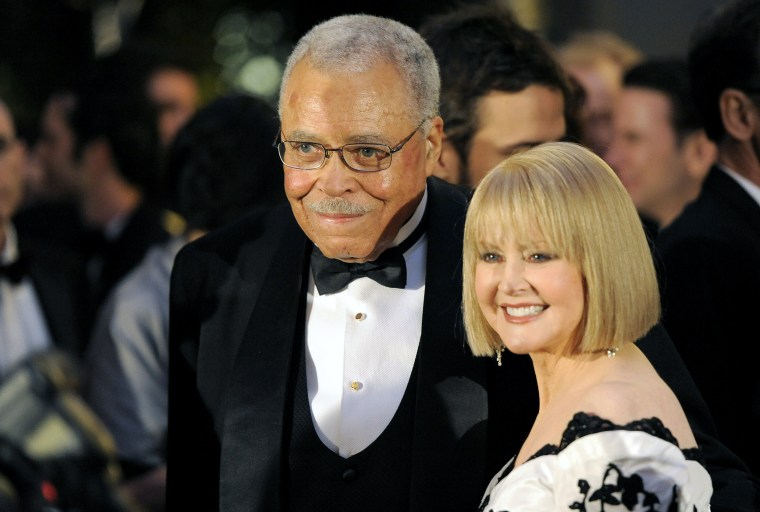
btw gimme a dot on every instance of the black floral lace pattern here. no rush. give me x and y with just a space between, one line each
584 424
617 489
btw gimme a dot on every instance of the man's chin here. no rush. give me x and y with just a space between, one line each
349 254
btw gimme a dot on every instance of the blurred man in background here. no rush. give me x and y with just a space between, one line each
501 89
659 148
597 60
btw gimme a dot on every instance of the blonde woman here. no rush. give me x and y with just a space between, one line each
557 266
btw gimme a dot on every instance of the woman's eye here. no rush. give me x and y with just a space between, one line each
539 257
489 257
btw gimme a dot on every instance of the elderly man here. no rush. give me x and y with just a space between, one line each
317 360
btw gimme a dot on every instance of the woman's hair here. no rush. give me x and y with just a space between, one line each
355 43
576 204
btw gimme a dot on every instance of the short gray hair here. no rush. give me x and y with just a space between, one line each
354 43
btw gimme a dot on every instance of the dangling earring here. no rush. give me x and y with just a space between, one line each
498 355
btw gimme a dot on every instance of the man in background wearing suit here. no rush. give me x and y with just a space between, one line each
41 288
659 148
317 359
711 252
118 157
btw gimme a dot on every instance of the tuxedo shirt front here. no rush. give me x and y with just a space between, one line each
361 344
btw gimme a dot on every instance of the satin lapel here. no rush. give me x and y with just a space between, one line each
255 403
58 307
451 407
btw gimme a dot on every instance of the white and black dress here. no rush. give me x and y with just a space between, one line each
603 466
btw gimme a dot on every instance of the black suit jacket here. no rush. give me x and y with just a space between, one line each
710 256
236 303
59 281
144 229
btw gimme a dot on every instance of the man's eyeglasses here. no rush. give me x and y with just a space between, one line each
361 157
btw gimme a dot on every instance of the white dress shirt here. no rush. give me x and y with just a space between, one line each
361 344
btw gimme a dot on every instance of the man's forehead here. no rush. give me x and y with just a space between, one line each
511 121
371 107
533 115
538 102
381 82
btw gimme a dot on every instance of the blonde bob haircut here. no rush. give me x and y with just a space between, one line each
571 199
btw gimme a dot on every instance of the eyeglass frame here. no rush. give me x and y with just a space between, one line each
326 151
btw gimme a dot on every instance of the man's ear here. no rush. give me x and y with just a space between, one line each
699 153
448 166
433 142
739 114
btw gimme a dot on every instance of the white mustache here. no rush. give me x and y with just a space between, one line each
337 206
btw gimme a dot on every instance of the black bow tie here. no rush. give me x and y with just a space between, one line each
14 272
331 275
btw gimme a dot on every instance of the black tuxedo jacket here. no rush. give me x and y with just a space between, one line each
59 280
710 257
236 306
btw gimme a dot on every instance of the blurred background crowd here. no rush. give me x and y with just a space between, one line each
106 196
47 44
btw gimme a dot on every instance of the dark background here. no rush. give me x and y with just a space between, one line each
48 44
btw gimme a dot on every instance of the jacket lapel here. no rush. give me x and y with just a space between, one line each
257 395
451 409
59 285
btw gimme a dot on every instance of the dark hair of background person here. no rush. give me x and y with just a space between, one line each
482 48
723 53
112 104
151 54
670 77
232 134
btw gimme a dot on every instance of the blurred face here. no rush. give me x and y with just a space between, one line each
55 150
88 166
176 94
533 299
601 83
508 122
645 153
11 167
354 216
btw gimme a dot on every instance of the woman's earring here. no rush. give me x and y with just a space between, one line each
498 355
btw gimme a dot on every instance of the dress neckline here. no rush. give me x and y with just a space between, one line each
583 424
